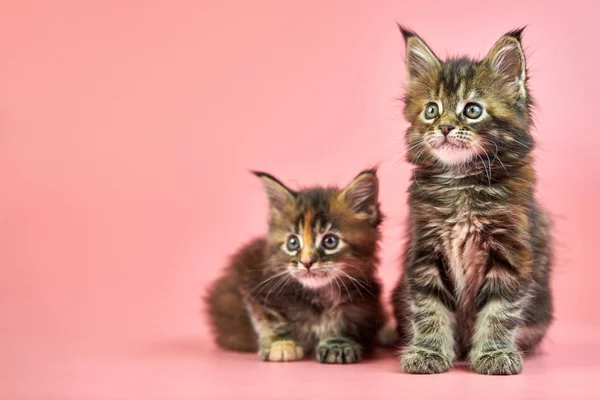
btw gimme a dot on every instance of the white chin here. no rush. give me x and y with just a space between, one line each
453 155
314 282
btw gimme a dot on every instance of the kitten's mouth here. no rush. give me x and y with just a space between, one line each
311 274
447 145
452 153
312 278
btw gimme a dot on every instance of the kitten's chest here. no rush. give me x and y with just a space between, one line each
465 246
317 322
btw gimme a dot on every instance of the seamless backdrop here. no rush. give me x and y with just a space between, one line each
127 130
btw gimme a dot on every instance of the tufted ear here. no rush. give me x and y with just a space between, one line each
362 195
507 60
419 57
277 193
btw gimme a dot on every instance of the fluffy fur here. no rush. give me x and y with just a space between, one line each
297 291
476 272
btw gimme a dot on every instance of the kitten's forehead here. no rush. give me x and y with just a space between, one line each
315 209
456 81
457 72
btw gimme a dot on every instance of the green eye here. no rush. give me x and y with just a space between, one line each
473 111
293 243
431 111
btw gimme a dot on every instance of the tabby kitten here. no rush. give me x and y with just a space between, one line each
309 286
475 282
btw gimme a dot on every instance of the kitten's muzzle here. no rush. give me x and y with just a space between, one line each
307 273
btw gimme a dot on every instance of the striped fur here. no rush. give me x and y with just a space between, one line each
266 301
476 273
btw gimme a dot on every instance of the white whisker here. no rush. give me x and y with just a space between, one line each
345 287
278 275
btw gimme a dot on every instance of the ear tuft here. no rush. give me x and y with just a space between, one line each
516 33
362 195
419 57
277 193
406 33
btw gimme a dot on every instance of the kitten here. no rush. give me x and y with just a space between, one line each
475 282
309 286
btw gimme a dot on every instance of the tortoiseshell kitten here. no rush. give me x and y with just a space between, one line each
475 282
309 286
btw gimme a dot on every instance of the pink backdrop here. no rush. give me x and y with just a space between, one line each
126 133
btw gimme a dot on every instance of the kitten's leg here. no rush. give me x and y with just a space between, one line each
337 349
335 346
431 348
275 342
348 332
500 301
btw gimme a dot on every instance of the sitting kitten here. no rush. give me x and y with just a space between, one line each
310 285
475 283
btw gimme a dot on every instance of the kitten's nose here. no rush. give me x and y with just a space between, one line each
446 129
308 262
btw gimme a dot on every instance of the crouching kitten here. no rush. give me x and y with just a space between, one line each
309 286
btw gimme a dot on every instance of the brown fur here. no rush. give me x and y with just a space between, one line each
261 303
476 274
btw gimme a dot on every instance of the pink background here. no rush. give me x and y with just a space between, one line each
126 133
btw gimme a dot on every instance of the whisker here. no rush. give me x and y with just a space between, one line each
357 281
269 279
345 287
399 156
489 175
356 268
489 162
289 278
496 155
273 288
415 169
527 147
358 290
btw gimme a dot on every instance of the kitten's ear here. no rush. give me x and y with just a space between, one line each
419 57
362 195
507 59
277 193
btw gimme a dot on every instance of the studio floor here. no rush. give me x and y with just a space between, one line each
190 367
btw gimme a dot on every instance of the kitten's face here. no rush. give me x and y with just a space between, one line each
324 237
466 113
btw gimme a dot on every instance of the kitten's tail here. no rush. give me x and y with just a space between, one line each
388 335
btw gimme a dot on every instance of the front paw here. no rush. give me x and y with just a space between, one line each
498 362
282 350
338 351
420 360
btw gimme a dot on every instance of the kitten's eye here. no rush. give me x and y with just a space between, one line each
431 111
293 243
473 111
330 242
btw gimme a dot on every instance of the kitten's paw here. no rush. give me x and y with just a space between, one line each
282 350
498 362
338 351
419 360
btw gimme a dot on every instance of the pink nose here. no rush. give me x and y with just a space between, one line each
308 262
446 129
